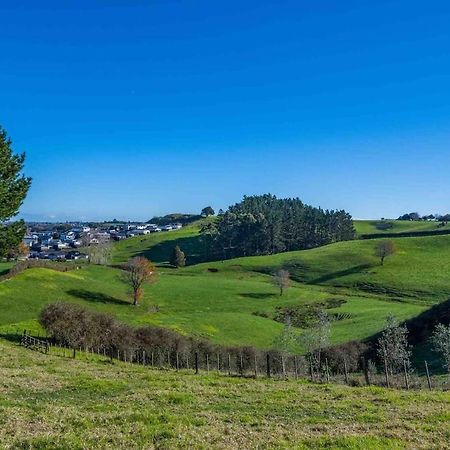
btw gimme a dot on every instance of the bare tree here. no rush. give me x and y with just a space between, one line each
393 348
284 342
282 280
316 339
383 249
137 271
100 254
441 343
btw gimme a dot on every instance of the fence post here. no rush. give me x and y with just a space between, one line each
196 363
187 361
296 367
366 371
177 362
229 364
346 371
428 376
168 358
327 371
153 359
256 366
241 366
386 373
207 363
268 365
74 353
311 369
406 375
144 360
218 362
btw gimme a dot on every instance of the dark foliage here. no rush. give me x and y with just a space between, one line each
262 225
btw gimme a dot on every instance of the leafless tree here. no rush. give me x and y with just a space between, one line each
282 280
317 338
383 249
393 348
100 254
441 343
136 272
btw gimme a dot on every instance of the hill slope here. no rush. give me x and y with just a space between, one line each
48 402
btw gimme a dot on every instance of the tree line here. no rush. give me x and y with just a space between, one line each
264 225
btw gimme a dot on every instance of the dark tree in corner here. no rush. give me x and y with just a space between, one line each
13 190
178 258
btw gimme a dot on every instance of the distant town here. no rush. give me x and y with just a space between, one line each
66 241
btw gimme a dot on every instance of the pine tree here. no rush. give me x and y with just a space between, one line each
178 258
13 190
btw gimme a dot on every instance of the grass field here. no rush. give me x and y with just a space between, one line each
48 402
398 226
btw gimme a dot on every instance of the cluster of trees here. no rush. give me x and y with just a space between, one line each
415 216
14 187
264 224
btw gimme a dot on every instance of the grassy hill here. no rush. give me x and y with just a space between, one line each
368 227
49 402
158 246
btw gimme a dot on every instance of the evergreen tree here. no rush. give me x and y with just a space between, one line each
13 190
178 258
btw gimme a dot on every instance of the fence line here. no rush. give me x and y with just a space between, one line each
281 367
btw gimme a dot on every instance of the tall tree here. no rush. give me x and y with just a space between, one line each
383 249
137 271
178 258
14 187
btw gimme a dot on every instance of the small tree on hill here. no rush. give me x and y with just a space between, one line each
282 280
178 258
137 271
383 249
393 349
208 211
441 343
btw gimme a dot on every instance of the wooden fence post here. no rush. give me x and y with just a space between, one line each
229 364
207 363
196 363
241 366
268 365
406 375
311 368
366 371
218 362
386 372
428 376
74 353
346 371
256 366
177 362
296 367
327 370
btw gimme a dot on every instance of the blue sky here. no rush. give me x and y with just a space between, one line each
130 108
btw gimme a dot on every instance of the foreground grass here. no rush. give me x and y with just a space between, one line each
47 402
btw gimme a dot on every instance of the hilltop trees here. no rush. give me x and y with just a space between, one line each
137 271
281 279
178 258
383 249
208 211
13 190
264 224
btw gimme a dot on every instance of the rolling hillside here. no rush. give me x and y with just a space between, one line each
234 302
369 227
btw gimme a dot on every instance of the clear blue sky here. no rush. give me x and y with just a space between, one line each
129 108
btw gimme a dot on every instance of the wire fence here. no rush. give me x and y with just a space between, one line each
271 365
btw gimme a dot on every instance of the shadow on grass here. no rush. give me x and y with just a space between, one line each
95 297
11 337
342 273
257 296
